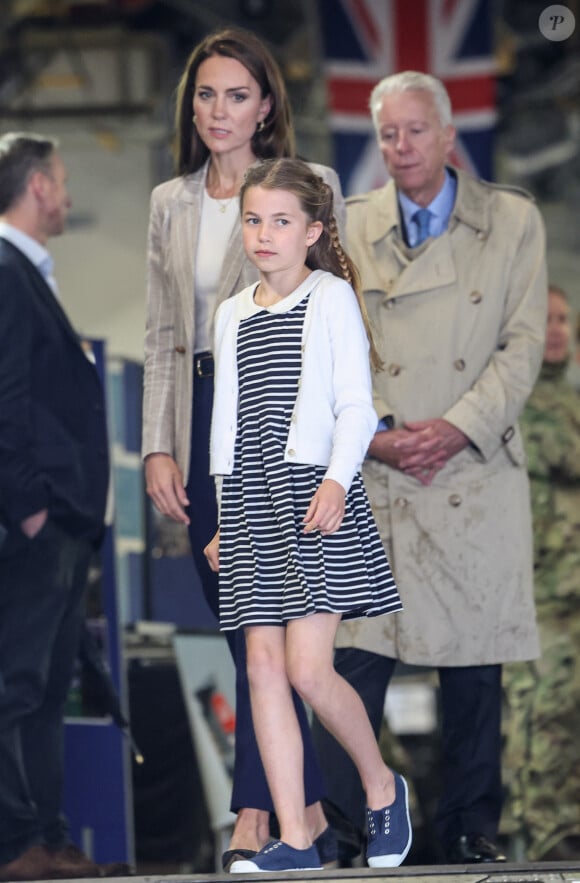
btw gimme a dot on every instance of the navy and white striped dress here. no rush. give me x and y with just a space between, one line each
270 571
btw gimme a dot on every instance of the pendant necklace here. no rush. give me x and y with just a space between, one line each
223 204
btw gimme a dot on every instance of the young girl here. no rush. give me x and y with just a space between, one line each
297 548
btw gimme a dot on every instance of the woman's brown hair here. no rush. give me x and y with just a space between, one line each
275 138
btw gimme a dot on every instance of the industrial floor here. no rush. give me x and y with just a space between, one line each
540 872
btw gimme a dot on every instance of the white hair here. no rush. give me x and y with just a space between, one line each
412 81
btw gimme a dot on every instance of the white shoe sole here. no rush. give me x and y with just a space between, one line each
393 861
248 867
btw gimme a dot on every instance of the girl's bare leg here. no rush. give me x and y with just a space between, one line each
309 661
277 730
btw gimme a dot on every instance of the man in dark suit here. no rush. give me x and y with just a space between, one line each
54 473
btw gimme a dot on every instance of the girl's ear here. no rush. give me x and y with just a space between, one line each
314 232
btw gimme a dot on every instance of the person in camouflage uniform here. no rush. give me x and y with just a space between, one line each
542 748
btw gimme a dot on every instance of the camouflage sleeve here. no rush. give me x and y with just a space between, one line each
551 429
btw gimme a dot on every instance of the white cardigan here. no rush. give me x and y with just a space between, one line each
333 420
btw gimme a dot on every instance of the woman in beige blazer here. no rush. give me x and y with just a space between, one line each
232 110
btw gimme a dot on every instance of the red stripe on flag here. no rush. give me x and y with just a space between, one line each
410 37
346 95
349 96
471 93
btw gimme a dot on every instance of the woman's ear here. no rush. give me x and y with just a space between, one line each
265 108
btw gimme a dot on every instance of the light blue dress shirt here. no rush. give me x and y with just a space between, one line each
33 250
440 208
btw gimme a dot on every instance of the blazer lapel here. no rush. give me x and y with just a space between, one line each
43 291
234 263
189 231
46 293
184 233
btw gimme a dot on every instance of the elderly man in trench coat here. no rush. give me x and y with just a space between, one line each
457 299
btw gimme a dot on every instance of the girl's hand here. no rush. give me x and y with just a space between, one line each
326 509
212 552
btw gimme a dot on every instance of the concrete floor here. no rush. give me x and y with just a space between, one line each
528 872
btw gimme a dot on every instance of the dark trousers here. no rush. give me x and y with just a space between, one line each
42 583
250 788
471 796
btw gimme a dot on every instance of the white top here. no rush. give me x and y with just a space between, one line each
333 420
218 217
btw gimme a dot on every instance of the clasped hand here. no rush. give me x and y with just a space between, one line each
420 448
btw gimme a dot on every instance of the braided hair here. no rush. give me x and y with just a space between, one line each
317 201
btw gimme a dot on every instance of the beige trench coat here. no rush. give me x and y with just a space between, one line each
461 329
169 336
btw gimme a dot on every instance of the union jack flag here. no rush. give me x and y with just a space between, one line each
364 40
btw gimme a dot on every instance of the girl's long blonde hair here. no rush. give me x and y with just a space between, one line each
317 201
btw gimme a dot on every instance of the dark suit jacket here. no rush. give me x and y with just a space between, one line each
53 438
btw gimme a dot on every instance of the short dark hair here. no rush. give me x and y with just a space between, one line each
276 138
21 154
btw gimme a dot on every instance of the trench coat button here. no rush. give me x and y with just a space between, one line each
390 303
180 350
401 502
459 365
394 369
455 500
291 452
508 434
475 297
481 234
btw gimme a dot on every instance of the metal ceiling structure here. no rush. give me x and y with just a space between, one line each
120 59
